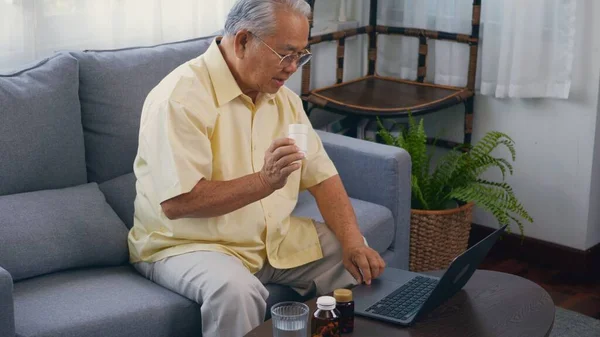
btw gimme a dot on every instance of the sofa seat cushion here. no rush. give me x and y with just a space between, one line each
376 222
113 87
47 231
102 302
41 137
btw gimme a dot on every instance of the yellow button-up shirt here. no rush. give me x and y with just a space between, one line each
198 124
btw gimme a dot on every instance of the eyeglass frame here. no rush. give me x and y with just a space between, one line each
306 53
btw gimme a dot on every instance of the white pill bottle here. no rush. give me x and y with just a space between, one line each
299 133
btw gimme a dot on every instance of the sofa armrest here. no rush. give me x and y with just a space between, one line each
7 313
379 174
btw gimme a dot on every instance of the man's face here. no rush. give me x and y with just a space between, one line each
260 68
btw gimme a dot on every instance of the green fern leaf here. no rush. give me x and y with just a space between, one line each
457 175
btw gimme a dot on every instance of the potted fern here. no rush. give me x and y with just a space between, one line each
443 196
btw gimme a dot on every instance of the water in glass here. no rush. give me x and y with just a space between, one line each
290 319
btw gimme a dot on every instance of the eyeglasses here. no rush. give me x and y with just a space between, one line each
286 60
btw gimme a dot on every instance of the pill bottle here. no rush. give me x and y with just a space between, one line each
326 319
345 305
299 133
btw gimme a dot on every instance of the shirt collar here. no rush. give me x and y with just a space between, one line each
225 85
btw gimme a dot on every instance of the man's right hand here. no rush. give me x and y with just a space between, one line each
281 159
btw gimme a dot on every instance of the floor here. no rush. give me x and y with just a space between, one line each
570 292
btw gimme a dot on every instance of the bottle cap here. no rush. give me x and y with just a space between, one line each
298 128
326 303
342 295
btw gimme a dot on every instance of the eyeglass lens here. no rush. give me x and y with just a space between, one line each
302 60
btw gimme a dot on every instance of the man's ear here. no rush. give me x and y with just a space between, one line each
241 42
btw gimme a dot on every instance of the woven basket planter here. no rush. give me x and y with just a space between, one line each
437 237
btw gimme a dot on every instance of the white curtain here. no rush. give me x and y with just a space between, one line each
526 46
33 29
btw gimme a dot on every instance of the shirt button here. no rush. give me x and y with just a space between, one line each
269 215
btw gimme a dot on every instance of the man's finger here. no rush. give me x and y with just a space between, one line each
277 143
375 265
363 264
286 171
283 151
289 159
353 270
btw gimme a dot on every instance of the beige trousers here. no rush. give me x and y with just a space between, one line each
233 301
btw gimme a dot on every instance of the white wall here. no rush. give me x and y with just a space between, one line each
593 234
557 171
555 147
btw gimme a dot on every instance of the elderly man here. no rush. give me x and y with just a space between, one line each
218 178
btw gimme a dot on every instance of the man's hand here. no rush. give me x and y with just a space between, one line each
363 263
281 159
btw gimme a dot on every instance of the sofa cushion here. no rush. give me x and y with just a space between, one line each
101 302
120 195
47 231
375 221
41 137
113 87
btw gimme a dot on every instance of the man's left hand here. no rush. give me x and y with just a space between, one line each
363 263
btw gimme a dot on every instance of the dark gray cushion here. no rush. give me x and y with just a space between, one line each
375 221
41 137
113 87
47 231
7 309
120 195
102 302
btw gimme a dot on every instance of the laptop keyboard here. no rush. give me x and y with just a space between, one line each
405 299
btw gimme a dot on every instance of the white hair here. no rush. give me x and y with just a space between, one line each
258 16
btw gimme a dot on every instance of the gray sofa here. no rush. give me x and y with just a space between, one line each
68 137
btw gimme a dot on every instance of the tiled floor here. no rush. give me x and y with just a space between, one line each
579 294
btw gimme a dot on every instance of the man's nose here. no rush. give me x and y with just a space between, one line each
292 68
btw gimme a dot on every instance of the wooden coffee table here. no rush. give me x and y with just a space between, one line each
490 304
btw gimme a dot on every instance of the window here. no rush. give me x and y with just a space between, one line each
34 29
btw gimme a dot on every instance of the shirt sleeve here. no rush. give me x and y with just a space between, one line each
317 166
177 149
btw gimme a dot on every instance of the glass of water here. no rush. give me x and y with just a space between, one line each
290 319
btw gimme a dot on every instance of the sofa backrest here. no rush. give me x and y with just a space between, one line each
113 87
41 138
51 218
68 138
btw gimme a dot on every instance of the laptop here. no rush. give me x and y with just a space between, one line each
401 297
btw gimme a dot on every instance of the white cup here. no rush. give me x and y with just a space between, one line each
299 133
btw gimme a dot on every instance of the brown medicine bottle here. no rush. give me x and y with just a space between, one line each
345 305
326 319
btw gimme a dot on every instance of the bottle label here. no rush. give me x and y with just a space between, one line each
325 328
346 324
